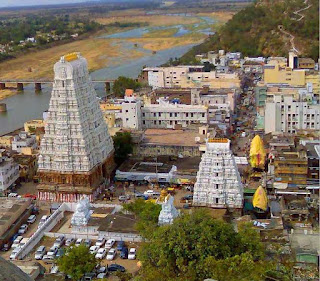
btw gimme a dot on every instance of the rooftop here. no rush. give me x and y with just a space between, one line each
167 137
118 223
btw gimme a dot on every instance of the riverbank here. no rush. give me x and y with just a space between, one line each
6 93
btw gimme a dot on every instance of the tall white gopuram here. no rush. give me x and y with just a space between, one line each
218 182
76 152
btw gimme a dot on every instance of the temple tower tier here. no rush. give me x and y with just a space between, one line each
76 151
218 183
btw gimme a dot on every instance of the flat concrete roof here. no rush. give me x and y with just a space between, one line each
168 137
123 223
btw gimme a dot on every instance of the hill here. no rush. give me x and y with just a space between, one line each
268 28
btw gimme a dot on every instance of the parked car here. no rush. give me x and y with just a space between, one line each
23 229
48 259
79 242
148 192
59 241
14 253
120 245
87 242
89 276
94 249
100 242
42 220
132 254
101 253
111 254
69 242
101 269
54 269
52 251
139 195
116 267
40 253
7 246
155 194
16 242
124 197
109 243
31 219
124 253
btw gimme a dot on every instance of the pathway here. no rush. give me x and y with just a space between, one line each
297 13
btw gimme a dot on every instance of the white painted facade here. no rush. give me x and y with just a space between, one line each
76 136
168 115
9 172
24 140
131 113
218 182
287 114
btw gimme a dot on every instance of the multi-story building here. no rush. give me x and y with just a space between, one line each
189 77
218 182
76 155
9 172
24 140
289 112
167 115
131 113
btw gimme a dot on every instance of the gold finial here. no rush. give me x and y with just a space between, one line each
71 56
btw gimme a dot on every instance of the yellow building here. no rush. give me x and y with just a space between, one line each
313 77
5 141
276 74
32 125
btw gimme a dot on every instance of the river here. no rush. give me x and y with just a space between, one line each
29 105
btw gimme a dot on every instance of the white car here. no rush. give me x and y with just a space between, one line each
40 253
54 269
31 219
132 254
79 242
14 253
111 254
109 243
148 192
101 253
100 241
59 241
94 249
23 229
16 242
53 250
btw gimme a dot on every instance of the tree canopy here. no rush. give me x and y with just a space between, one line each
122 83
77 261
196 247
123 146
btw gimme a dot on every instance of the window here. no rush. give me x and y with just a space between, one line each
127 110
143 114
217 200
143 122
187 114
170 114
154 114
159 114
176 115
191 114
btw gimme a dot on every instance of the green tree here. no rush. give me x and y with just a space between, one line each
122 83
147 213
123 146
196 247
77 261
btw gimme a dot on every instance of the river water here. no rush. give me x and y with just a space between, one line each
29 105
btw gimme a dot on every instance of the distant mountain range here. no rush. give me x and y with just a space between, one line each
268 28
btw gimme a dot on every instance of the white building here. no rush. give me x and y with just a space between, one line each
169 115
76 149
24 140
9 172
286 113
131 113
218 182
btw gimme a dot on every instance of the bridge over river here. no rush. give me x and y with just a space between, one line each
39 82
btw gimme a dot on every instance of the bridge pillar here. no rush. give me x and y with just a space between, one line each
108 86
2 86
37 87
20 86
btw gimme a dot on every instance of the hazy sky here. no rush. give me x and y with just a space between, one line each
14 3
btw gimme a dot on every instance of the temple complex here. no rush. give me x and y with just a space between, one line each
218 182
76 153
